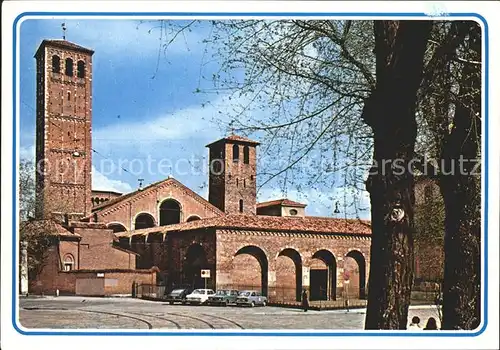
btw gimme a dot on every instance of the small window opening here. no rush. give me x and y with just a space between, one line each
246 155
244 183
236 153
56 64
69 96
241 205
80 69
69 67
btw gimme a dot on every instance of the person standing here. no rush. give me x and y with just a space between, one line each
431 324
415 324
305 301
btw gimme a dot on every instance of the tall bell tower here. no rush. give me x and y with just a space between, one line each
232 185
63 129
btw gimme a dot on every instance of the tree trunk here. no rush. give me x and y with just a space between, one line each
460 185
390 111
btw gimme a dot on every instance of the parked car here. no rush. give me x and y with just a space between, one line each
199 296
178 295
223 297
251 298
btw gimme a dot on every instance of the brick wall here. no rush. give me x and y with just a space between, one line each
237 180
241 270
149 201
97 252
115 281
181 245
64 113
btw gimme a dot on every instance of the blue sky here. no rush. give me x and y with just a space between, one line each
145 106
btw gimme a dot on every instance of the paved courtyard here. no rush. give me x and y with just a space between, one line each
127 313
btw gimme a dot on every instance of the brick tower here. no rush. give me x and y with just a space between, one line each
63 129
232 180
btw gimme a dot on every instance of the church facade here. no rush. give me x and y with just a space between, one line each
167 230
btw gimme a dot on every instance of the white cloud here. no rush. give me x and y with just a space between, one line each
103 183
194 121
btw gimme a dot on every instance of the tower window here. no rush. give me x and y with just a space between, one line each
69 67
241 205
246 155
244 183
80 69
56 64
69 96
236 153
237 182
251 177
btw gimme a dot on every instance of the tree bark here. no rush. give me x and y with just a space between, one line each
390 112
460 185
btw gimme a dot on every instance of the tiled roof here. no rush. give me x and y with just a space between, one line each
63 44
46 226
283 202
235 138
266 223
106 191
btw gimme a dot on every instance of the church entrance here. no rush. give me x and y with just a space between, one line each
319 284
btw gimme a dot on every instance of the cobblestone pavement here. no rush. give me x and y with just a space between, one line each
127 313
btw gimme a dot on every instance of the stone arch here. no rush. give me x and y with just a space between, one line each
170 212
193 218
323 276
195 260
355 271
240 273
289 276
116 227
143 220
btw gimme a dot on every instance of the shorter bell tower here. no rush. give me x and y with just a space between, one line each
232 175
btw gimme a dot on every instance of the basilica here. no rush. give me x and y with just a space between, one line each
165 233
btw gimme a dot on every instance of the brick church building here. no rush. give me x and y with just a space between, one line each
165 232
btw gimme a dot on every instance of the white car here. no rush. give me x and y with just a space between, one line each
199 296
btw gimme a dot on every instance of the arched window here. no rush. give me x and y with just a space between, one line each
56 64
69 67
144 220
246 155
241 205
117 227
170 212
236 153
193 218
69 262
80 69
